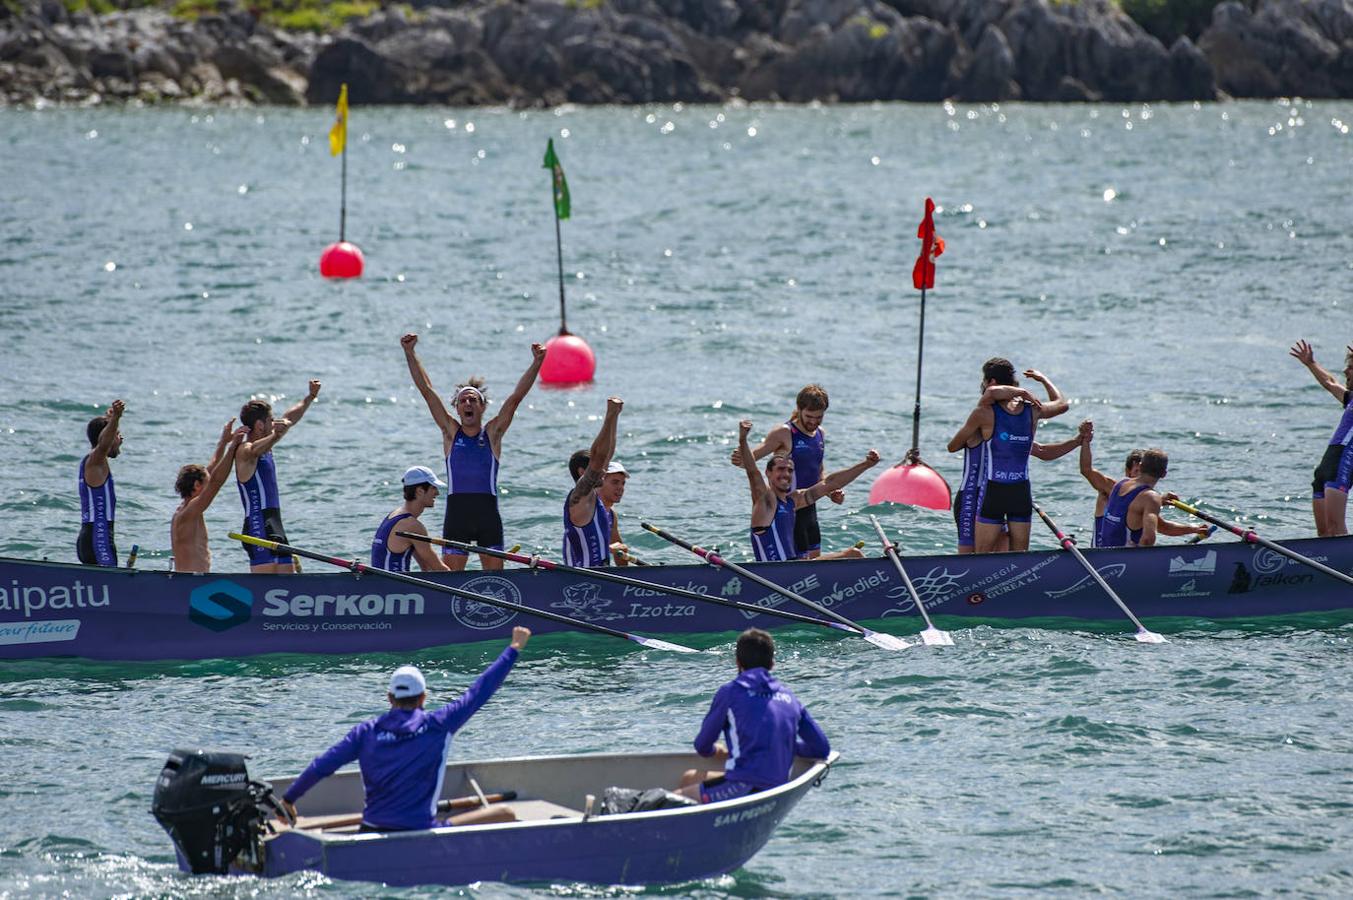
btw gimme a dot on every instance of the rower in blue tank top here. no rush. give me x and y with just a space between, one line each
392 551
588 524
1132 516
1113 528
98 497
774 499
1333 477
472 448
803 440
256 477
1101 482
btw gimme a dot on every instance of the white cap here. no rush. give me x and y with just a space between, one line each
614 467
422 475
407 682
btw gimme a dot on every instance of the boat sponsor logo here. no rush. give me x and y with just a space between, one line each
939 585
220 605
1115 570
732 588
483 616
29 599
744 815
223 778
584 601
1191 568
1187 589
774 601
49 631
1266 561
281 602
1242 581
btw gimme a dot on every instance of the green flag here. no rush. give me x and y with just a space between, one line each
561 204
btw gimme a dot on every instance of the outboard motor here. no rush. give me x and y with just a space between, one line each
211 809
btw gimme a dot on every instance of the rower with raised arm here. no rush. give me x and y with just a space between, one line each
1101 482
392 551
197 486
1132 514
1334 475
803 439
774 500
1003 425
256 477
98 499
587 520
472 448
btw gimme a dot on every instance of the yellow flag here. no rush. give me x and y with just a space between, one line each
338 135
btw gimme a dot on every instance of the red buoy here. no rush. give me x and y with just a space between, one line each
568 360
913 483
341 260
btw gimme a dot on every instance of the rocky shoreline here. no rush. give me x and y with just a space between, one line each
543 53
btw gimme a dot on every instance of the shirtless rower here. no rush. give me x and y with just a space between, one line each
1334 475
472 449
803 439
256 477
995 504
774 500
393 553
198 486
1132 515
587 521
98 499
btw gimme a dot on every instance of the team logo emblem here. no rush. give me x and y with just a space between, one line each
1267 562
583 601
220 605
484 616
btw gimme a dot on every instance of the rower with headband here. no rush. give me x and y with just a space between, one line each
472 449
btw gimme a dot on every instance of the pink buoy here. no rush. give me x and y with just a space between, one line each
341 260
568 360
913 483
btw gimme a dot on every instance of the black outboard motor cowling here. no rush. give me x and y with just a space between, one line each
211 809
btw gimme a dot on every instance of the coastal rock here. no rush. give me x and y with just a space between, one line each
1285 48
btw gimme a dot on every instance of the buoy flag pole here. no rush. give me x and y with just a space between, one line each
923 278
559 186
338 146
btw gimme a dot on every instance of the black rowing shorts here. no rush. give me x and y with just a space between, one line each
472 519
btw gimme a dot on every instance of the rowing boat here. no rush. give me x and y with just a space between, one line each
554 839
55 609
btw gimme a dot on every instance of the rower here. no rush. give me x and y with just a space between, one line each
774 500
256 477
588 529
761 720
402 754
1102 483
197 486
612 491
1132 514
472 449
1005 421
98 499
1334 475
803 439
396 554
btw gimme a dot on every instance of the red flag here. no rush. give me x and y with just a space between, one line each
932 245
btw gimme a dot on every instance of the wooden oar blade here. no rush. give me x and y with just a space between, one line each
933 637
885 641
1150 637
655 644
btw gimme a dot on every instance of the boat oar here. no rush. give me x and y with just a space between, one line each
600 575
1143 635
1249 536
363 569
931 635
878 639
1202 537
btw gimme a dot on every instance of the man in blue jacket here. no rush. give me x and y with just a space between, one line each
403 753
764 726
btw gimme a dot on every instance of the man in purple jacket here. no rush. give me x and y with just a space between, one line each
403 753
764 726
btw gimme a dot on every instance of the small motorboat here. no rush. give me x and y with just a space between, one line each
222 822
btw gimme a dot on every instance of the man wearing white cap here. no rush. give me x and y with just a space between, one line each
395 553
588 524
612 492
403 752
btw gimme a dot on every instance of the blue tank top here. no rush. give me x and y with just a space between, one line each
806 450
1343 435
588 546
97 504
381 556
972 468
1113 531
1094 535
471 467
260 491
1006 455
776 542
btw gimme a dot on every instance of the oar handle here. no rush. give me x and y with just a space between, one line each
1253 538
1244 534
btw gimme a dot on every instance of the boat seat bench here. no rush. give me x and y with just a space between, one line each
525 810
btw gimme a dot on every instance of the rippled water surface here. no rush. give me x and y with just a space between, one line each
1156 262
